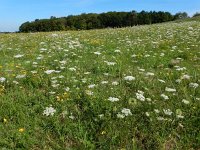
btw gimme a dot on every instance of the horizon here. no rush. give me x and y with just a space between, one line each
23 11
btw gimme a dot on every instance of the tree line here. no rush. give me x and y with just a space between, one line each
98 21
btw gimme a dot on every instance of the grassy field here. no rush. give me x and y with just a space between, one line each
122 89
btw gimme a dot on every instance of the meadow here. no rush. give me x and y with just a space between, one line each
132 88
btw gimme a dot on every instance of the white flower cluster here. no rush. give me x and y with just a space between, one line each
124 112
113 99
129 78
165 97
2 79
97 53
194 85
20 76
170 89
140 95
18 56
167 112
110 63
49 111
49 71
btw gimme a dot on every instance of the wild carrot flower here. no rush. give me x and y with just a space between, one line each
49 111
113 99
129 78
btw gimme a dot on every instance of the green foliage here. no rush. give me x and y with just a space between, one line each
96 21
196 14
180 15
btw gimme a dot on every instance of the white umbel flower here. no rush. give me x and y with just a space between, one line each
170 89
20 76
140 96
194 85
119 115
104 82
97 53
167 112
185 77
113 99
49 111
18 56
115 83
2 79
162 81
185 101
129 78
149 74
126 112
165 97
91 86
49 71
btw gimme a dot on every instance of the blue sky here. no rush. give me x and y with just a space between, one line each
14 12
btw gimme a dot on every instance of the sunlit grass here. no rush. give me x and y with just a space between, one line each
129 88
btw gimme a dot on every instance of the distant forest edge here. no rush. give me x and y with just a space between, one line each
99 21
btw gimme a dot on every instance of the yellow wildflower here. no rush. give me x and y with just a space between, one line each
21 130
65 95
103 132
59 98
5 120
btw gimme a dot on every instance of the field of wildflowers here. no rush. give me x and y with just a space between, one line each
130 88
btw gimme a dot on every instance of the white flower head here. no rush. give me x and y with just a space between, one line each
67 89
129 78
110 63
160 118
140 96
52 92
147 114
167 112
156 111
113 99
149 74
178 80
20 76
71 116
86 73
2 79
117 51
180 116
18 56
162 81
185 101
34 72
119 115
180 69
49 111
97 53
91 86
115 83
15 82
194 85
165 97
126 112
170 89
104 82
185 77
72 69
49 71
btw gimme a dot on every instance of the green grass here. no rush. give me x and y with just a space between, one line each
159 56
